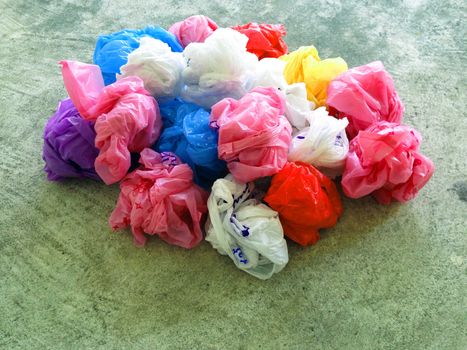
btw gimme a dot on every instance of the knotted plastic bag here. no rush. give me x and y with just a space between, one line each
247 231
306 201
384 160
304 65
187 134
160 199
194 29
254 134
158 67
69 149
218 68
264 40
126 118
112 50
323 144
365 95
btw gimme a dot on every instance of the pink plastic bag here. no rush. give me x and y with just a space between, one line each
194 29
160 199
254 134
127 118
384 161
365 95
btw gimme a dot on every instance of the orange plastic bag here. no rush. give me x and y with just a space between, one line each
306 201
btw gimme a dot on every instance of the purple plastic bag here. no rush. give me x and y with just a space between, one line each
69 149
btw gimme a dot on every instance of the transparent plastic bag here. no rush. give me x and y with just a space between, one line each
218 68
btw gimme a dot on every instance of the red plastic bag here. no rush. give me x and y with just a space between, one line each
264 40
306 201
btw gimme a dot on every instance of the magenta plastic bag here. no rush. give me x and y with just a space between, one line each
194 29
384 160
365 95
254 134
69 149
160 199
127 118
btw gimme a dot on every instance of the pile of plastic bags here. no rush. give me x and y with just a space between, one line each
223 133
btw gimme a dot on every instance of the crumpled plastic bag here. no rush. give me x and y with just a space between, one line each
254 134
158 66
384 160
264 40
218 68
323 144
69 149
270 72
249 232
194 29
160 199
365 95
304 65
112 50
306 201
298 107
187 134
127 118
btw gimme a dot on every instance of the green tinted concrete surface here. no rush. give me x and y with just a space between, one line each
386 277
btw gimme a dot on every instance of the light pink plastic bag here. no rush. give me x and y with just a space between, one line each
384 161
127 118
254 134
160 199
365 95
194 29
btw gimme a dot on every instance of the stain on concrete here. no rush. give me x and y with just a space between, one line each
460 188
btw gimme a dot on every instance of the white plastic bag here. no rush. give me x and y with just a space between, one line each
323 144
270 72
160 68
298 107
218 68
249 232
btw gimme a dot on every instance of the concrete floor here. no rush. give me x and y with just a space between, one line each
385 278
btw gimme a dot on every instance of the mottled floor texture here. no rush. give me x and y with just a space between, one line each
387 277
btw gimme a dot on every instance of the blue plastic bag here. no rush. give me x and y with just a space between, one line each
112 50
187 133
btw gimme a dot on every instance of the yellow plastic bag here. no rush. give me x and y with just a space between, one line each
304 65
